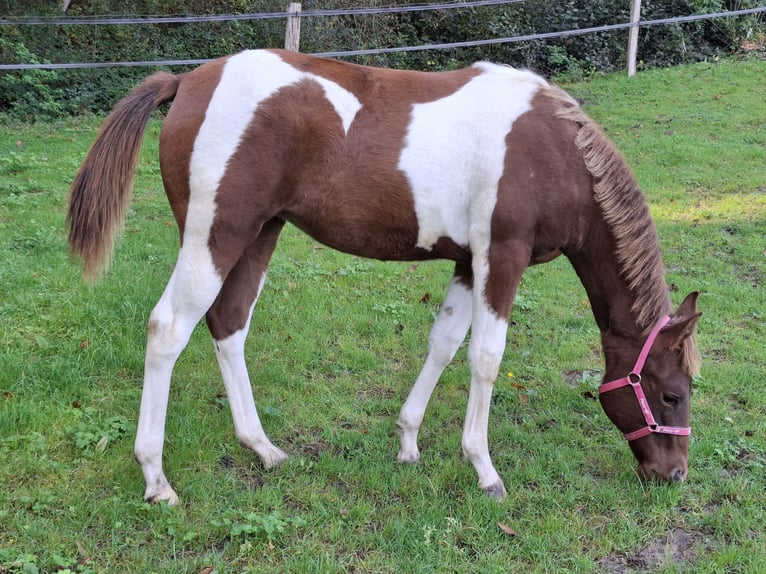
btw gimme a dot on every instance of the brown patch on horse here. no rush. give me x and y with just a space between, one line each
231 309
295 162
100 193
544 171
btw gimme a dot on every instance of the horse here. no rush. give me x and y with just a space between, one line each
490 167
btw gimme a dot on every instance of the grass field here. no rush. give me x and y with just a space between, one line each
334 347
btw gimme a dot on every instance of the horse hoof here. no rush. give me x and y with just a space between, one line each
169 496
273 458
496 491
408 457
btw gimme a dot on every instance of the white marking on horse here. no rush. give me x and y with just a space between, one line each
345 103
456 192
231 359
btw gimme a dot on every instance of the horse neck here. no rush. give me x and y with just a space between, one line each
613 301
615 251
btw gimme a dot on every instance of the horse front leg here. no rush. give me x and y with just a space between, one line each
229 320
496 281
448 332
485 352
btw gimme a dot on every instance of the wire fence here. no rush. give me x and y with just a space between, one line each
341 12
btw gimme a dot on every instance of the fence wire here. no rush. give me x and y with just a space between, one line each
365 52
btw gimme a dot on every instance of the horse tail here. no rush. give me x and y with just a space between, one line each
100 193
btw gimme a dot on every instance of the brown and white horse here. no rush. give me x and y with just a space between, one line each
488 166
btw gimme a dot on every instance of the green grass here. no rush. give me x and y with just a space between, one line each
334 346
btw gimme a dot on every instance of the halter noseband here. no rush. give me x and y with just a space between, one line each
634 380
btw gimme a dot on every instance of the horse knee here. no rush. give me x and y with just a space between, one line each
484 362
444 341
487 346
165 337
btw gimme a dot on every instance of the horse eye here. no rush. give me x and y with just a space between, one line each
670 400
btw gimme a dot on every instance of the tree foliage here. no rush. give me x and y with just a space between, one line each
39 93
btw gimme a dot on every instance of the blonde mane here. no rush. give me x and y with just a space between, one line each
626 213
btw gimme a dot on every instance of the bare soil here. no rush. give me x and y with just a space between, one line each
678 547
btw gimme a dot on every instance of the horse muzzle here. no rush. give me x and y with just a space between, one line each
666 473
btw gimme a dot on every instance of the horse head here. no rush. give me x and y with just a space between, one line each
651 404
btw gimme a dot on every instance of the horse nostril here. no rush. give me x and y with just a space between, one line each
678 475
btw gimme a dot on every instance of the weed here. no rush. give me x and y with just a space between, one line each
393 310
268 528
12 560
92 435
13 163
739 453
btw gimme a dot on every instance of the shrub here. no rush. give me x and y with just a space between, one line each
40 93
29 94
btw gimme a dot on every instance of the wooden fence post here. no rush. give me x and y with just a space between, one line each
635 16
293 27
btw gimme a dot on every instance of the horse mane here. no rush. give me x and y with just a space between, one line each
626 213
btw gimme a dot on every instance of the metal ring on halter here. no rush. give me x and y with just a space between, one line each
637 376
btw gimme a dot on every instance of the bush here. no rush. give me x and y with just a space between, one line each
37 93
29 95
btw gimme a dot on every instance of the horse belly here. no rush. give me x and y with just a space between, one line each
356 219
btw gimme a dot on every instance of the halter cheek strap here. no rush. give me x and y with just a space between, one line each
633 379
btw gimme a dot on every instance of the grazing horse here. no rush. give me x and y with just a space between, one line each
488 166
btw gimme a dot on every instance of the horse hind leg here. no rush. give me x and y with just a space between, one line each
190 291
447 334
229 320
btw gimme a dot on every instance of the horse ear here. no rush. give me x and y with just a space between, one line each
682 323
689 306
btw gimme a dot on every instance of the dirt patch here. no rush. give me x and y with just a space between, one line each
572 378
309 443
376 392
676 548
312 450
749 274
250 475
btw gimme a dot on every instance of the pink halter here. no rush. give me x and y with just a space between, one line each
634 380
